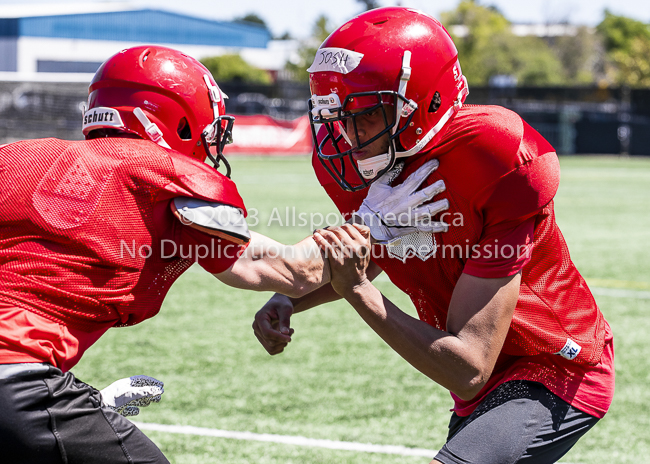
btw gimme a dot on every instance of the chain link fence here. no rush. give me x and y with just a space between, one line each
574 120
37 110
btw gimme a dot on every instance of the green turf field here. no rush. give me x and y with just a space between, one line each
338 380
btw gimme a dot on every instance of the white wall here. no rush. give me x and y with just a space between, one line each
29 50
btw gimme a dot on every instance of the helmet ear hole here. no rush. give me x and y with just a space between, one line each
436 101
184 130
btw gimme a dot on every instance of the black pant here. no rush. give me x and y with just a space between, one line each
47 417
519 422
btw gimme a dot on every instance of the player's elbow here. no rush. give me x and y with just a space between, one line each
470 381
296 286
467 391
296 292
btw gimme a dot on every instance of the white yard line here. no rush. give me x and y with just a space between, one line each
621 293
289 440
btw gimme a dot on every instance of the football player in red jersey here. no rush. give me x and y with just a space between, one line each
506 322
93 234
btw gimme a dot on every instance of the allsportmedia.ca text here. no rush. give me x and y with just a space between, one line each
291 217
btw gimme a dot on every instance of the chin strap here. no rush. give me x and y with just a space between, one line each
150 128
404 78
458 103
371 167
215 95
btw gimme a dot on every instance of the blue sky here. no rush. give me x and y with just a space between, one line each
298 16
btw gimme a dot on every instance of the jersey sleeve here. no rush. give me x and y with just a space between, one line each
212 253
509 208
502 251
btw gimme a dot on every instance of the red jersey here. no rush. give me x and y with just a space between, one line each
500 177
88 241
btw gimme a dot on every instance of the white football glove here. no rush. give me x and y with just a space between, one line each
392 212
125 395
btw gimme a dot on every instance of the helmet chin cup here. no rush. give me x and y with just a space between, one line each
371 167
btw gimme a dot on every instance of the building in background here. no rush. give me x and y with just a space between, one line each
59 42
49 54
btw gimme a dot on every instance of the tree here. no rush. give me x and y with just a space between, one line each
285 36
633 65
534 63
580 55
321 29
489 48
229 68
627 44
252 18
619 31
369 4
307 51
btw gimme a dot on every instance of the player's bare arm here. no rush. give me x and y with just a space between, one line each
272 323
461 358
383 202
267 265
297 270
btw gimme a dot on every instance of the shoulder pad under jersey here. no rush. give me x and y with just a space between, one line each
213 218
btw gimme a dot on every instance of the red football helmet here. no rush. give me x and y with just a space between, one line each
388 56
163 95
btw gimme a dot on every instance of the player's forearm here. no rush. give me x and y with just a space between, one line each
304 269
437 354
267 265
326 293
292 270
320 296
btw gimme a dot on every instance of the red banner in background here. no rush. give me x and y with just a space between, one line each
264 135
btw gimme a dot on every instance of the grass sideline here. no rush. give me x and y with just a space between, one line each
337 380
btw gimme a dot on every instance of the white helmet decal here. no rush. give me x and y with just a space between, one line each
338 60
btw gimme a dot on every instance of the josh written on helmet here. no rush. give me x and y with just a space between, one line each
163 95
395 58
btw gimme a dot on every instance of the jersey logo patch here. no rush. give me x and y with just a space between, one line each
77 183
71 189
418 244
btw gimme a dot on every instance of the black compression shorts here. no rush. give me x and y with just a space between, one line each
519 422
